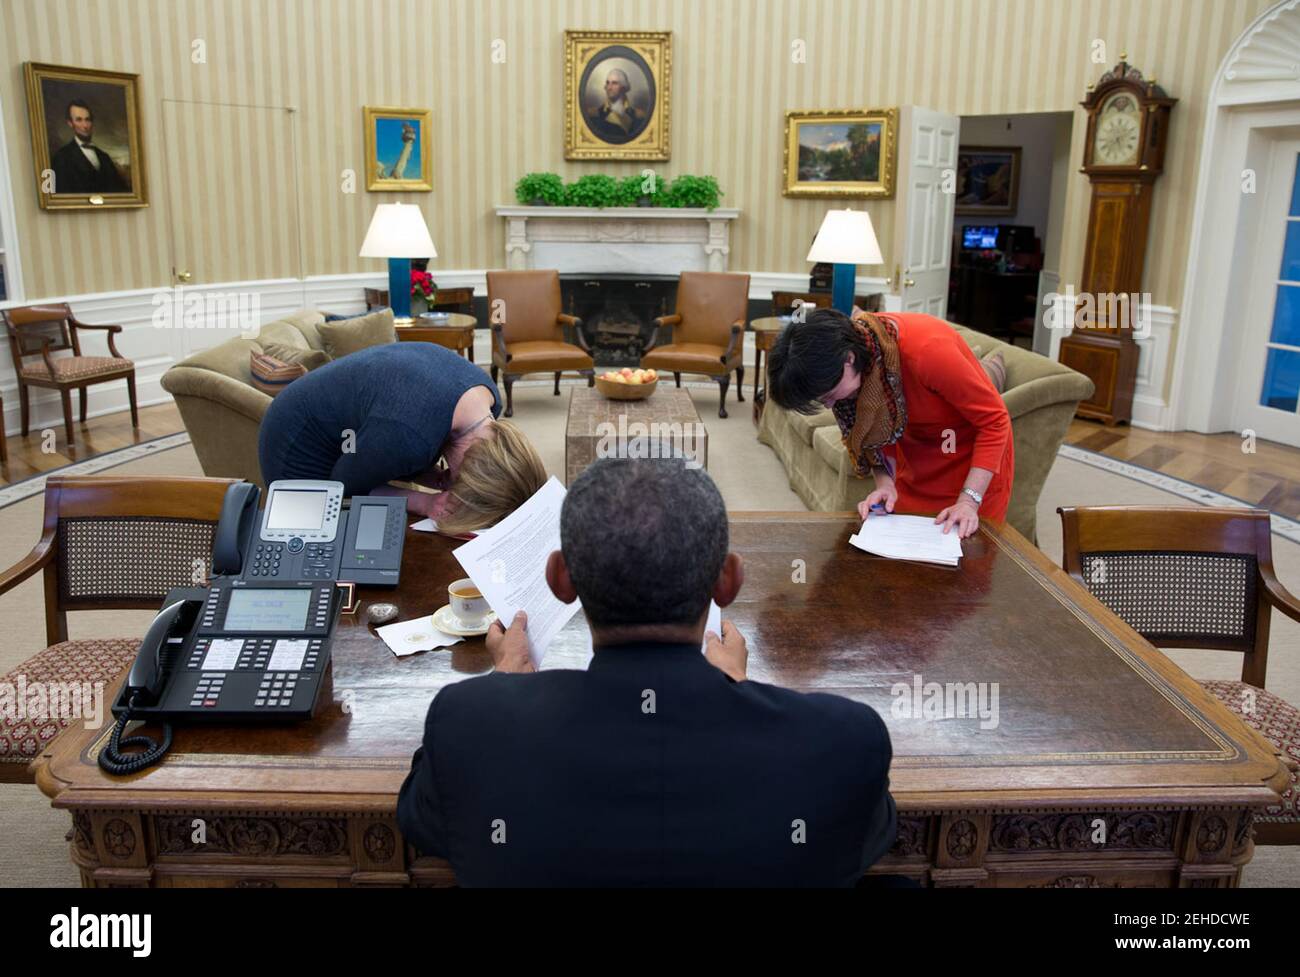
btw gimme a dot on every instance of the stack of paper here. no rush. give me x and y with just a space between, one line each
908 538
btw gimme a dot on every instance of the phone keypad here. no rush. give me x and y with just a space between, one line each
276 690
266 560
208 690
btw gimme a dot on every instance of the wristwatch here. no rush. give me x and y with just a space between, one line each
974 495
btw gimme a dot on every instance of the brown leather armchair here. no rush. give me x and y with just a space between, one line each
528 330
708 332
40 330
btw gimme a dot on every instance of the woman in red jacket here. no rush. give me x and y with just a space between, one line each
914 407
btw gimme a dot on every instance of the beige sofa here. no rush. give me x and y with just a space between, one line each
221 408
1041 396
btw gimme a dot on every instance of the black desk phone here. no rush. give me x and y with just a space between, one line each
254 646
305 534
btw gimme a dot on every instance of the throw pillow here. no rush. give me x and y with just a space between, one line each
350 335
995 367
310 358
271 375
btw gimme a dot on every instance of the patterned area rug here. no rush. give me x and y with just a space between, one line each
35 485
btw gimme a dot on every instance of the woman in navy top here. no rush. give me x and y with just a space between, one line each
392 412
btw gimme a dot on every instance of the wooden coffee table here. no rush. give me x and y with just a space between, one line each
765 332
667 417
1098 735
457 333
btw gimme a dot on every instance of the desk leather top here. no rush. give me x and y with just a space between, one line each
1088 712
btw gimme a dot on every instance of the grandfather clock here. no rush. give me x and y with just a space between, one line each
1128 121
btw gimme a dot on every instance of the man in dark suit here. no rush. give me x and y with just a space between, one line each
658 765
81 166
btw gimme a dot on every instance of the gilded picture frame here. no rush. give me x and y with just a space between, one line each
841 153
87 151
988 181
398 138
618 95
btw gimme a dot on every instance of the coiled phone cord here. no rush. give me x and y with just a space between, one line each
114 761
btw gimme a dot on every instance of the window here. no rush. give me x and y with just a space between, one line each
1282 367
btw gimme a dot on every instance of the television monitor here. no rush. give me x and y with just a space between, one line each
979 237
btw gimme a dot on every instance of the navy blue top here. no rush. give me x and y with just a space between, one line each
397 400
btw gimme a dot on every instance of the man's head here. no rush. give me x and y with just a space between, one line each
80 119
616 84
644 545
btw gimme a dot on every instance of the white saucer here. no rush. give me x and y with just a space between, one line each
444 620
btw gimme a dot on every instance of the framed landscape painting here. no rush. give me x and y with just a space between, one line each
988 180
86 149
841 153
398 155
617 94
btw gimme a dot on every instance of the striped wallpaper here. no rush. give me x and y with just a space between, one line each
734 79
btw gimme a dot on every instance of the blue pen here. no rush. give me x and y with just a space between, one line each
879 509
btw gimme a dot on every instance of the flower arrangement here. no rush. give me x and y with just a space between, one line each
423 286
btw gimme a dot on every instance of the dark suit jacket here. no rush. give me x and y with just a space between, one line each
650 768
74 174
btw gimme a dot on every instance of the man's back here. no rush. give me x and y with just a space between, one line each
650 768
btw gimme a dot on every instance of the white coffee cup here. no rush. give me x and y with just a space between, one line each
468 605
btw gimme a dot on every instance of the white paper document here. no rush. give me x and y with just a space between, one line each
508 565
408 637
425 526
908 538
714 624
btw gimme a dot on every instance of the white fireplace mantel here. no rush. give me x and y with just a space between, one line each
618 240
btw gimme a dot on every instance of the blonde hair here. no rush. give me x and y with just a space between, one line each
497 475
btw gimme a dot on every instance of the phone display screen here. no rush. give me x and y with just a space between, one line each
370 528
297 509
267 610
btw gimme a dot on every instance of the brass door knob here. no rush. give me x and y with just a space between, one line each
183 276
908 283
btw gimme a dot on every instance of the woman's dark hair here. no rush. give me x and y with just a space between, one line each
808 359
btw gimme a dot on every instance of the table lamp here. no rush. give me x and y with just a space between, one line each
846 239
398 232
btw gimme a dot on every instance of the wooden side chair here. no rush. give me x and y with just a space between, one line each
708 332
40 330
1197 578
532 334
108 543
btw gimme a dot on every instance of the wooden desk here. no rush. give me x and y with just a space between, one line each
1095 726
456 333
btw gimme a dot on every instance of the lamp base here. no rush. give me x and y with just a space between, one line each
399 288
843 285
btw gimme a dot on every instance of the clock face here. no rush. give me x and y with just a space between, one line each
1119 128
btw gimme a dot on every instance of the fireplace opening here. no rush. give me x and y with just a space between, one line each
618 312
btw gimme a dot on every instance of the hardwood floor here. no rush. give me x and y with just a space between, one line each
96 437
1269 477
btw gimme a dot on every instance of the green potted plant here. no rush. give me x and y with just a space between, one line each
692 191
540 190
593 190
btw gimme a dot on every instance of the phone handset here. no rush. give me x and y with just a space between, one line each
144 685
238 514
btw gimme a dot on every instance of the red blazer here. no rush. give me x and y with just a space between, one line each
955 420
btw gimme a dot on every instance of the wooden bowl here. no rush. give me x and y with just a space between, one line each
625 391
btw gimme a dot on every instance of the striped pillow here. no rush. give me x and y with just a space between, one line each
271 375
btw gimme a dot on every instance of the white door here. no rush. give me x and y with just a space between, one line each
1268 380
927 173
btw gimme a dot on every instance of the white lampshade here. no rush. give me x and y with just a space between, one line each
398 231
846 238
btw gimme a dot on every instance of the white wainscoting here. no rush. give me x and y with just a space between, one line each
1150 408
155 349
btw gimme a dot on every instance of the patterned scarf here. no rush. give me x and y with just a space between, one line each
879 414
